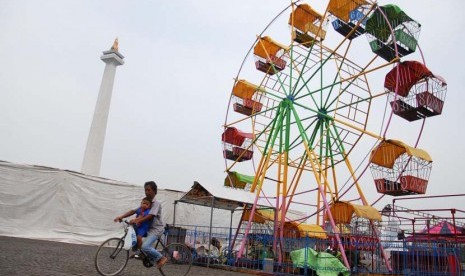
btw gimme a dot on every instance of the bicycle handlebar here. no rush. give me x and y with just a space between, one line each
127 223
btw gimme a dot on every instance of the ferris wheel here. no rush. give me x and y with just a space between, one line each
314 104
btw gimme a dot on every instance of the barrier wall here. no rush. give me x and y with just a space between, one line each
52 204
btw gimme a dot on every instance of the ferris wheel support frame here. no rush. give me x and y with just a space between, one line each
321 163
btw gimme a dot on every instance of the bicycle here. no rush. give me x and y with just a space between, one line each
111 258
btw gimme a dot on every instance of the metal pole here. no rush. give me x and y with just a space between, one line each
413 228
393 207
230 236
210 232
452 211
434 196
333 225
174 212
415 252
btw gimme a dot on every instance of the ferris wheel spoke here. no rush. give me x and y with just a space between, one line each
318 70
304 65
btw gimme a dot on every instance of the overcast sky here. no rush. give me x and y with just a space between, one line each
171 95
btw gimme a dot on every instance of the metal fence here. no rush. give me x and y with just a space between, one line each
312 256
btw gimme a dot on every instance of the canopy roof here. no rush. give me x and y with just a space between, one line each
234 136
342 8
343 211
305 230
267 214
386 153
303 16
267 47
379 27
410 73
443 228
218 197
245 90
311 230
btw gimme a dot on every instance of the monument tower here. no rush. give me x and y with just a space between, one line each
94 149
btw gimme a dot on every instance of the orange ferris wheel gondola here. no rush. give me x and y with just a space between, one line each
399 169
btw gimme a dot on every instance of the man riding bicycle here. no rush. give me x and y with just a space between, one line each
156 228
112 256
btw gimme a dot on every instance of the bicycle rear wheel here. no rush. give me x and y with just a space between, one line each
179 260
111 258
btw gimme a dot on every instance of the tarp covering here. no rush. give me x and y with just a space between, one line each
267 47
234 136
410 73
379 27
342 8
386 153
304 16
244 178
343 211
47 203
325 264
237 180
245 90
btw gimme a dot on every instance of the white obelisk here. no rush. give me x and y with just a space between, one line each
94 149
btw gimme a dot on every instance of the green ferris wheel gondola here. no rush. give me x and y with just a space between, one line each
379 27
391 32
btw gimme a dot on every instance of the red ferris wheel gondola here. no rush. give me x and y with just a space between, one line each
415 91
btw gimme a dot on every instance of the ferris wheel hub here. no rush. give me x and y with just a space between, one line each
322 114
290 97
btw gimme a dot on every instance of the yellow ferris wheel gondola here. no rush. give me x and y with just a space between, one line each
269 55
308 25
244 93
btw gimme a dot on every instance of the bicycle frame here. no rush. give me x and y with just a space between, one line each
178 255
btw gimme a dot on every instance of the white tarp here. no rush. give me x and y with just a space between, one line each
47 203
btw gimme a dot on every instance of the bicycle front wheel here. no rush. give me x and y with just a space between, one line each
179 260
111 258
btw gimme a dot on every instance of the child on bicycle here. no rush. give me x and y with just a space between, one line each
141 228
157 226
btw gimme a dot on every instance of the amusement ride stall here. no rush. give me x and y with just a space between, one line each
311 113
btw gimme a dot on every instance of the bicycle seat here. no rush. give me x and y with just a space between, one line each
167 229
